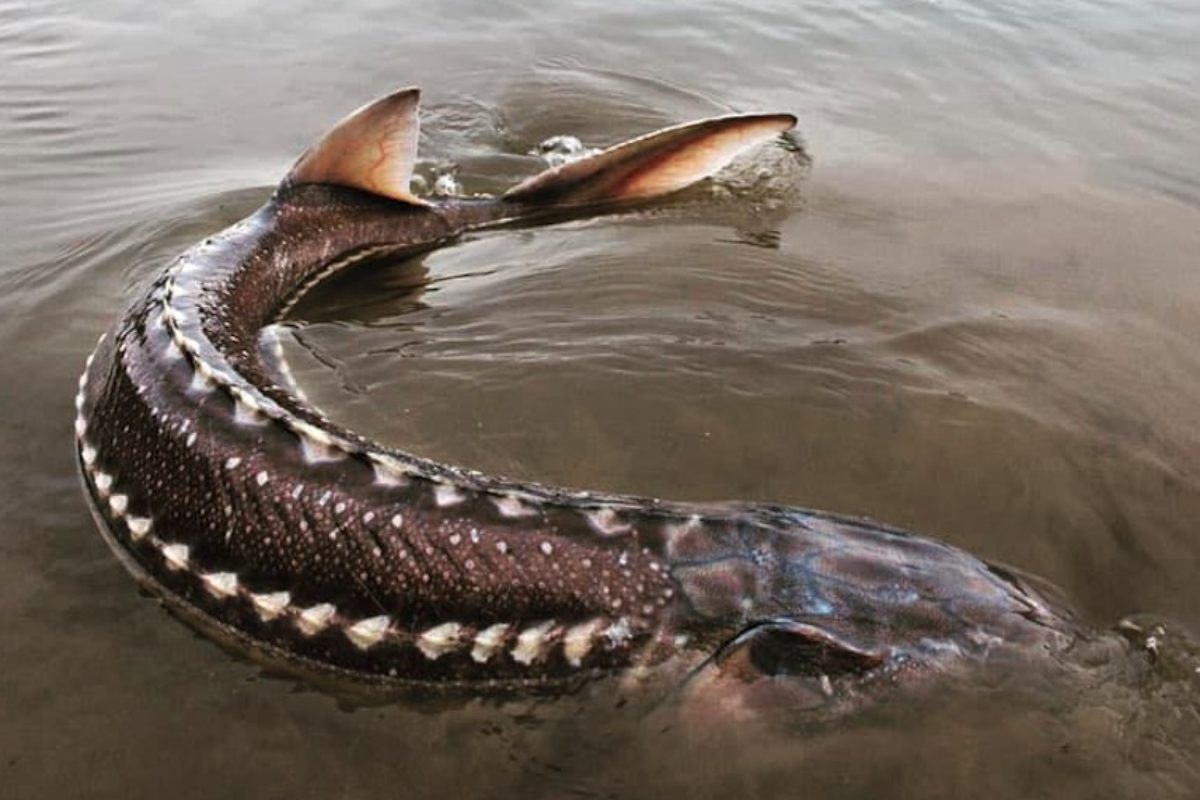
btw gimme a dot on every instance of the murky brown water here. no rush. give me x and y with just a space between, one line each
976 315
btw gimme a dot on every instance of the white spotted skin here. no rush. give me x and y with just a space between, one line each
139 527
221 584
446 494
239 498
118 503
607 522
125 467
388 471
314 619
440 640
176 556
532 643
316 444
270 605
619 632
579 640
513 507
367 633
245 505
489 641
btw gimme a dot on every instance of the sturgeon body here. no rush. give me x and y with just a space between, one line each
274 528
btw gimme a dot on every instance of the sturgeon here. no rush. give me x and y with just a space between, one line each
281 532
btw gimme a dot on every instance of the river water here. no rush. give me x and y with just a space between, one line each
974 314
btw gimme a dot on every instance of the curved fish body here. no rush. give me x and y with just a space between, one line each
274 528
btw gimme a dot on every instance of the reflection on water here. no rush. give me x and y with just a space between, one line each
975 315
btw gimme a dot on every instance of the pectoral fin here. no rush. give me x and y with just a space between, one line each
786 648
651 165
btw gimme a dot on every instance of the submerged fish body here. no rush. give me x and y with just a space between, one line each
275 529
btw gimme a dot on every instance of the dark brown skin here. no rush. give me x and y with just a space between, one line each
282 532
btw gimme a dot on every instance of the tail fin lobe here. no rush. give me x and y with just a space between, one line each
373 149
651 165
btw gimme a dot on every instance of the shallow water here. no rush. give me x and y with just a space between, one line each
974 315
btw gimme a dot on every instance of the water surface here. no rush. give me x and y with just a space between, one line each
975 314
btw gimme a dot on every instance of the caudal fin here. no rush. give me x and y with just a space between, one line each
651 165
372 149
375 148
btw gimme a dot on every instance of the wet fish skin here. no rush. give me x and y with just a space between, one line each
281 532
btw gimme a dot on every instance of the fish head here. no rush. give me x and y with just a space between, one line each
821 615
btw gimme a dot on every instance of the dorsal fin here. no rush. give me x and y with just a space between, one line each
373 149
651 165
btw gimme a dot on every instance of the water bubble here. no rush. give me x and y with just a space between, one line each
447 184
559 150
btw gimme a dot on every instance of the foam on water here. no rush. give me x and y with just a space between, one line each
562 149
